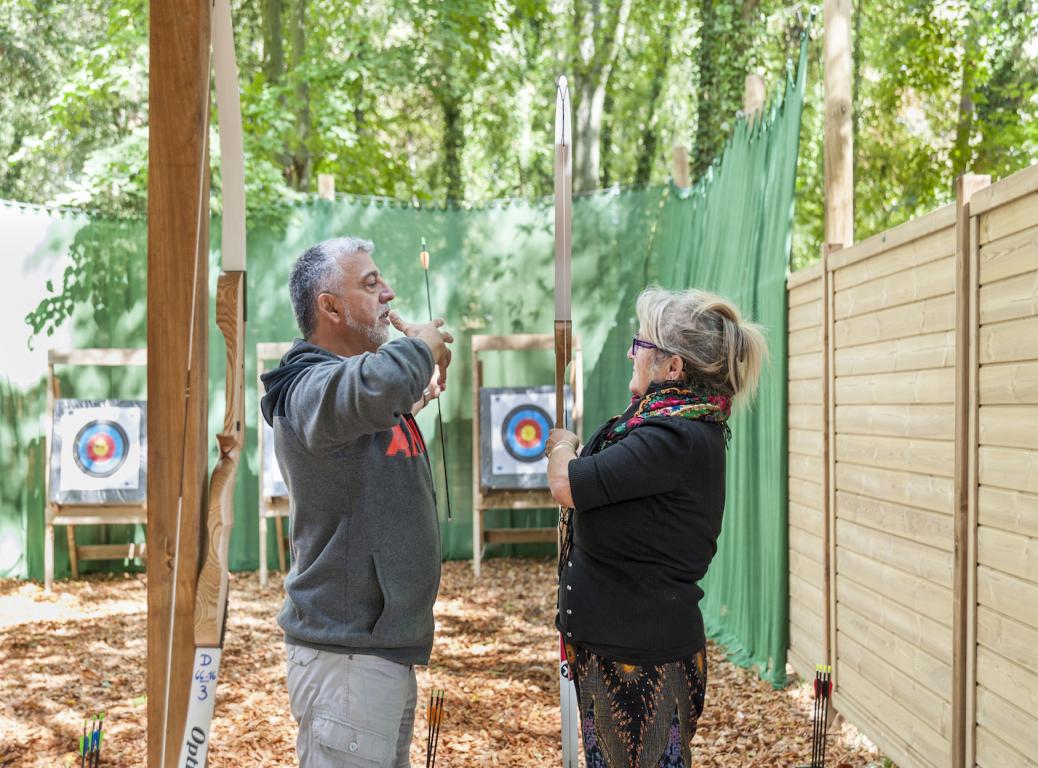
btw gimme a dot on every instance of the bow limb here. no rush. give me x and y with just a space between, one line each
213 579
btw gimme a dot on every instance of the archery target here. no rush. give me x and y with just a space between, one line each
524 432
514 423
273 481
98 452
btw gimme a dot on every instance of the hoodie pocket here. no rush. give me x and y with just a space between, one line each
408 596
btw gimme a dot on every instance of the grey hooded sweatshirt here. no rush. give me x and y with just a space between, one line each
365 535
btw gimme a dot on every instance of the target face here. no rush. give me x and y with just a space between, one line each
100 448
98 452
525 432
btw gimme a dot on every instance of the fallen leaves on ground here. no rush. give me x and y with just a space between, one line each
82 650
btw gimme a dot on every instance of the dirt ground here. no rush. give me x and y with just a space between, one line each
82 649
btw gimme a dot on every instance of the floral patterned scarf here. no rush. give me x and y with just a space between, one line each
663 401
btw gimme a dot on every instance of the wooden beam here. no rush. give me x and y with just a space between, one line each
326 186
839 147
964 613
682 177
754 97
178 302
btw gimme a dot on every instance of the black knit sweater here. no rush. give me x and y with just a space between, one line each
648 514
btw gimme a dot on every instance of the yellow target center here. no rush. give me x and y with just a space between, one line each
100 448
527 433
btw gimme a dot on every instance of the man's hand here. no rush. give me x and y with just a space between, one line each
431 392
435 338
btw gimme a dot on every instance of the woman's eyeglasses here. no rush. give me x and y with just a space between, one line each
637 344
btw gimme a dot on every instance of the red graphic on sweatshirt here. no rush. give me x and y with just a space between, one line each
406 440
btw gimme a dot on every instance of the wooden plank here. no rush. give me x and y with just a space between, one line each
805 441
806 518
812 597
925 746
1012 553
935 221
933 529
806 392
908 658
519 535
908 488
805 568
878 732
1005 190
102 357
913 629
1014 216
1009 384
915 353
906 257
129 551
932 600
129 518
1011 468
934 422
800 661
1009 426
806 467
805 316
909 287
1008 510
807 615
806 544
992 752
806 492
1009 299
1015 727
1008 595
929 457
272 350
1006 636
1010 256
806 366
929 316
804 276
1016 683
899 684
805 417
524 341
905 388
917 559
806 644
806 340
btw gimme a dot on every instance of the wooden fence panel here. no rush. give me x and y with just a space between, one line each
1003 677
807 471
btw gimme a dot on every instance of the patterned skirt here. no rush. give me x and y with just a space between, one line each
634 716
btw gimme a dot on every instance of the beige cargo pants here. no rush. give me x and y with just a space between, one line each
352 710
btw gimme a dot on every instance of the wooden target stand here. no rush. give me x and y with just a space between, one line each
484 498
270 507
71 515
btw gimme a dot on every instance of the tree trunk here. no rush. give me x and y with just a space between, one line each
453 146
725 45
273 43
651 134
601 33
301 161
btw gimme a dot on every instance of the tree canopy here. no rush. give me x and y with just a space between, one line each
429 101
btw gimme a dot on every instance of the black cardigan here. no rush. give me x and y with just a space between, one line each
647 516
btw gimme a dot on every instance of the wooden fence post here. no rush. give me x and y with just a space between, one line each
754 97
829 456
839 139
326 186
964 600
681 170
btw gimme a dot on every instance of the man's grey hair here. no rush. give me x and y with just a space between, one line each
314 273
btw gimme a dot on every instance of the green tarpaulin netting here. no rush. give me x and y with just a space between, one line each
491 273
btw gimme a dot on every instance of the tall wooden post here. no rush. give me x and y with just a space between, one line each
839 139
178 226
681 167
754 97
326 186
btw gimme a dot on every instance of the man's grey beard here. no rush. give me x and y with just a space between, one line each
378 333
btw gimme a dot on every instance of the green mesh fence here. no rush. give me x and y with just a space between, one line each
492 273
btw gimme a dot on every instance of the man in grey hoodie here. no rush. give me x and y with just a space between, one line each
358 612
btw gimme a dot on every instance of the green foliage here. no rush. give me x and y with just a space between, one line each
429 100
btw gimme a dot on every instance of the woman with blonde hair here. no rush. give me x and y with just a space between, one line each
646 497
